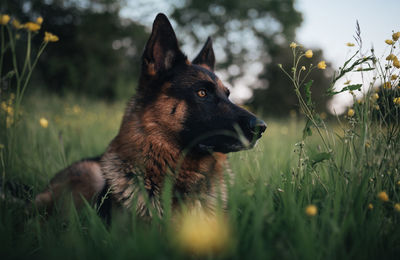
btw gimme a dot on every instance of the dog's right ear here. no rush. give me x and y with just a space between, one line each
162 51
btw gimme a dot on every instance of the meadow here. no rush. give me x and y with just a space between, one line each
310 189
267 203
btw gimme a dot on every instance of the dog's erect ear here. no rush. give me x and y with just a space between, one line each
162 51
206 56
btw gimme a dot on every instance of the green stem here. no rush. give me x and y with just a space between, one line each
43 46
2 50
28 54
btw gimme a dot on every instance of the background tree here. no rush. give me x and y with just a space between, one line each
98 53
99 49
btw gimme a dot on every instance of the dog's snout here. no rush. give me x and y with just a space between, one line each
257 125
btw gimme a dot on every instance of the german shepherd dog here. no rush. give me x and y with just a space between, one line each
180 125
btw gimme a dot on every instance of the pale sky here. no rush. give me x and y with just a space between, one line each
329 25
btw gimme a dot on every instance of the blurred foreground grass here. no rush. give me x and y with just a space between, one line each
267 203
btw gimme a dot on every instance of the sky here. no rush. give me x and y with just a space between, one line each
329 25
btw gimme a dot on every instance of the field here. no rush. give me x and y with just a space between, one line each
267 217
311 188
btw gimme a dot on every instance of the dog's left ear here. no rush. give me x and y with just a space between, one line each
206 56
162 51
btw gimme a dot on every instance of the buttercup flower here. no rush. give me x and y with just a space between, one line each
387 85
383 196
375 96
397 207
39 20
350 112
293 45
321 65
396 36
390 57
311 210
370 206
396 100
350 44
309 54
389 42
396 63
43 122
49 37
201 233
17 25
33 27
4 19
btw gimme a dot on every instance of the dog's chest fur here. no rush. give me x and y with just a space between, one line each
135 185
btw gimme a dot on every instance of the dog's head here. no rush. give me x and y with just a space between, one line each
186 101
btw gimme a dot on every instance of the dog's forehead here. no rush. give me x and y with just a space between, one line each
199 73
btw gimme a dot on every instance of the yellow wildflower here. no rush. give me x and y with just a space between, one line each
396 63
375 96
397 207
396 36
396 100
391 56
393 77
311 210
17 25
9 121
293 45
360 101
309 54
321 65
49 37
370 206
367 144
350 44
387 85
383 196
201 233
10 110
350 112
398 183
43 122
39 20
31 26
377 107
389 42
4 106
4 19
303 68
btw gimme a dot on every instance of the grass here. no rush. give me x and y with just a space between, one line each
267 202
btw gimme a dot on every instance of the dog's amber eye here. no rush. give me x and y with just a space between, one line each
201 93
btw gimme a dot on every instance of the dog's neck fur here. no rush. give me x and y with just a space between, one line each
142 155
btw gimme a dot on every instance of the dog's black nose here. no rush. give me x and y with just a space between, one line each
257 125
